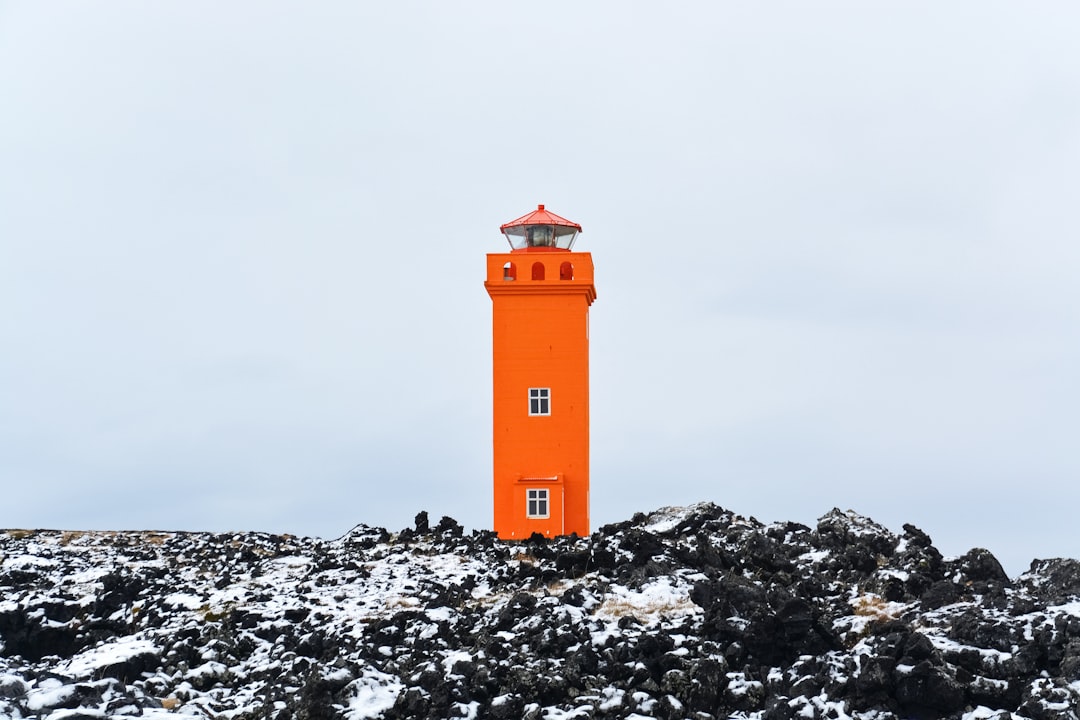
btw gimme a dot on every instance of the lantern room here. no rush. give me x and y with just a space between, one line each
540 231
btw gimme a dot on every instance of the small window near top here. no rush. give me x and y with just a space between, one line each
539 401
537 502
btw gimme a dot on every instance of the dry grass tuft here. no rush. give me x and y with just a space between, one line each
402 602
646 612
155 538
70 536
216 614
875 607
556 587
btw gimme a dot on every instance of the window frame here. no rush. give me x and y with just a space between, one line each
540 399
537 500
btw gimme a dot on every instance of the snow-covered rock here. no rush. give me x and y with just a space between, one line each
681 613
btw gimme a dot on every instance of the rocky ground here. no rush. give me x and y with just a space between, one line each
682 613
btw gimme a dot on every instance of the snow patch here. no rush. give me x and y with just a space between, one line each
372 694
87 663
650 605
183 600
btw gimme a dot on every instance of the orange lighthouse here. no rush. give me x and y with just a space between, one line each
540 293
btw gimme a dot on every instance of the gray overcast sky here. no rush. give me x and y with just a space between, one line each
242 254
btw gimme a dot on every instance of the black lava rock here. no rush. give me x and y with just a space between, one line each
680 613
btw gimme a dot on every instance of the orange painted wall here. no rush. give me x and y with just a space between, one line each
540 339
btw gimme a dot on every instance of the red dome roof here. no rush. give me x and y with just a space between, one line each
540 216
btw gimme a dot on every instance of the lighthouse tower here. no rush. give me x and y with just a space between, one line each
540 293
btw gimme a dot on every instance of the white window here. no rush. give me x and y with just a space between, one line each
539 401
537 501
